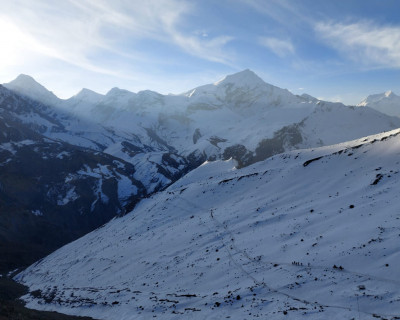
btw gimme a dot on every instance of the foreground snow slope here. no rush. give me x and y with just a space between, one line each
310 234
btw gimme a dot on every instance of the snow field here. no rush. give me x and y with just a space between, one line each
308 234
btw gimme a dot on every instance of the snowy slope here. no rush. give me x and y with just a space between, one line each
310 234
388 103
332 123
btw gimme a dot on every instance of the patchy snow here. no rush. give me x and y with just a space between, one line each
147 172
97 172
70 196
125 188
37 119
8 146
63 154
12 146
310 234
37 213
100 196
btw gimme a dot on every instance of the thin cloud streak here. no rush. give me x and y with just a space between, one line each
364 42
280 47
77 31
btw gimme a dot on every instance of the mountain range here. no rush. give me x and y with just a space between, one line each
203 123
70 165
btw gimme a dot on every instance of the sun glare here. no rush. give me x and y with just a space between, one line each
12 43
16 46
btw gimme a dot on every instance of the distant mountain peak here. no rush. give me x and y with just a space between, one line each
117 91
24 78
387 102
373 98
245 78
389 93
88 95
29 87
26 81
309 97
87 92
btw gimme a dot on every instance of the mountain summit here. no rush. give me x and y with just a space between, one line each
387 102
29 87
245 78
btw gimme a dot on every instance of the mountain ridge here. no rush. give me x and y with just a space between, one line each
212 114
387 102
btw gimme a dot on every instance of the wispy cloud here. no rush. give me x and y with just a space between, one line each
288 14
78 31
280 47
364 42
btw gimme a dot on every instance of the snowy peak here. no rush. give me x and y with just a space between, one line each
309 98
29 87
387 102
245 78
375 98
117 91
243 92
389 93
25 80
88 96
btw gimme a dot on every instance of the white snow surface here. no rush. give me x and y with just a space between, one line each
69 197
309 234
387 102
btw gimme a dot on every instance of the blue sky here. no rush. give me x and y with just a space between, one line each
335 50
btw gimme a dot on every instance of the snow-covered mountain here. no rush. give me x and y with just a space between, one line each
58 183
240 116
388 103
52 192
307 234
58 124
27 86
157 138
